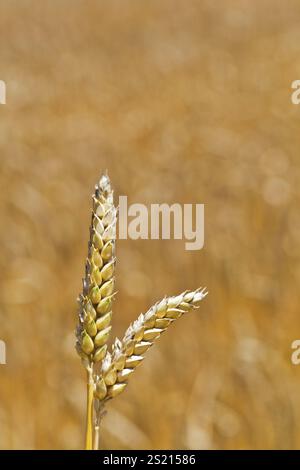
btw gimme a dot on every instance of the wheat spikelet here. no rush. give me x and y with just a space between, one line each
139 337
95 302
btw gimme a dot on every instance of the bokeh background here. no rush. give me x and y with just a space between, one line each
185 102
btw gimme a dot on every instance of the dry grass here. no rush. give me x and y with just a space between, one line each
181 102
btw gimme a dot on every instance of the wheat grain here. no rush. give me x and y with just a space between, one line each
139 337
95 302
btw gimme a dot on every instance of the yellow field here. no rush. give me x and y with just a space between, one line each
182 101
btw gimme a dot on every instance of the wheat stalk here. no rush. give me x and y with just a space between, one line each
95 302
108 372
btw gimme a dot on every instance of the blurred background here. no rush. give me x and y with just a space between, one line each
186 102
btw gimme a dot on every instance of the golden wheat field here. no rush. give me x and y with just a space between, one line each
181 101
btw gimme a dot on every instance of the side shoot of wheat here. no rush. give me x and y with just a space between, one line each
108 372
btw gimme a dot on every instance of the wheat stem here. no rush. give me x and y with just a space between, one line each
99 412
89 410
108 372
96 437
95 301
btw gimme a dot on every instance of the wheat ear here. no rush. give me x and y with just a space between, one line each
95 302
139 337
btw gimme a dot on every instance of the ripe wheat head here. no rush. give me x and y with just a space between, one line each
95 302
